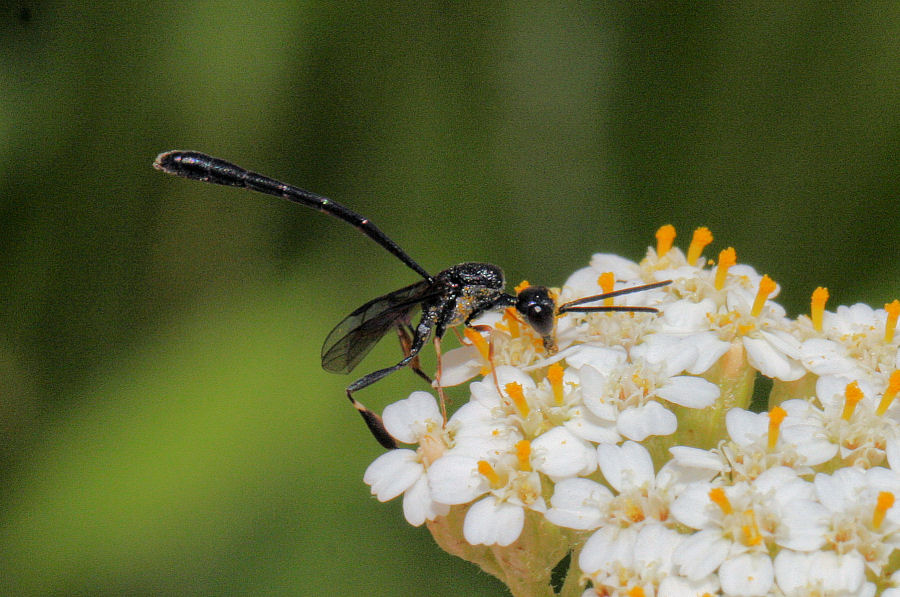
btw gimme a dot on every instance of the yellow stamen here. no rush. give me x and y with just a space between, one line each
487 471
727 258
478 342
664 237
852 396
776 416
511 319
522 286
607 282
515 392
745 328
893 311
885 502
817 307
766 287
750 529
636 592
718 497
702 237
890 393
634 512
555 377
523 453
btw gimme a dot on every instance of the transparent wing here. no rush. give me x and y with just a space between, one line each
354 337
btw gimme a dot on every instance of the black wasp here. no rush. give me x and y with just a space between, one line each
454 296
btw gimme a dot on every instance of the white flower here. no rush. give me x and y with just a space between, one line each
416 419
822 573
747 575
629 395
757 443
620 559
861 515
507 478
579 504
695 352
738 525
790 502
641 495
850 419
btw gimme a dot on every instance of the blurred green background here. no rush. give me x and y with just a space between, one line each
165 427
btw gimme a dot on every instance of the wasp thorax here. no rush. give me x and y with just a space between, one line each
484 275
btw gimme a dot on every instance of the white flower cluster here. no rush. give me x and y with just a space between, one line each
635 442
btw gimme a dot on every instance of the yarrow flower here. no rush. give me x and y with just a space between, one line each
624 451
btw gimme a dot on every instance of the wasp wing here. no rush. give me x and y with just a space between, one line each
354 337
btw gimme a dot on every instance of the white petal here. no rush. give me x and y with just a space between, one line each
607 548
745 427
392 473
578 504
621 268
770 362
710 350
674 586
627 467
893 453
455 480
839 491
804 526
655 547
689 391
587 426
418 505
673 352
492 522
830 390
749 574
582 282
782 341
686 316
558 454
508 374
825 357
693 507
696 458
701 553
594 390
649 419
460 365
406 420
798 573
601 358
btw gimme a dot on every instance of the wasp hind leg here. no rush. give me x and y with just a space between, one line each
406 333
373 421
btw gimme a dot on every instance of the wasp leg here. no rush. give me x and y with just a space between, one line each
405 332
373 421
489 330
437 377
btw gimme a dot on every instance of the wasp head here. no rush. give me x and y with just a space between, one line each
538 308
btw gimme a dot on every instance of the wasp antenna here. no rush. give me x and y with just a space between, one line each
599 297
599 308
